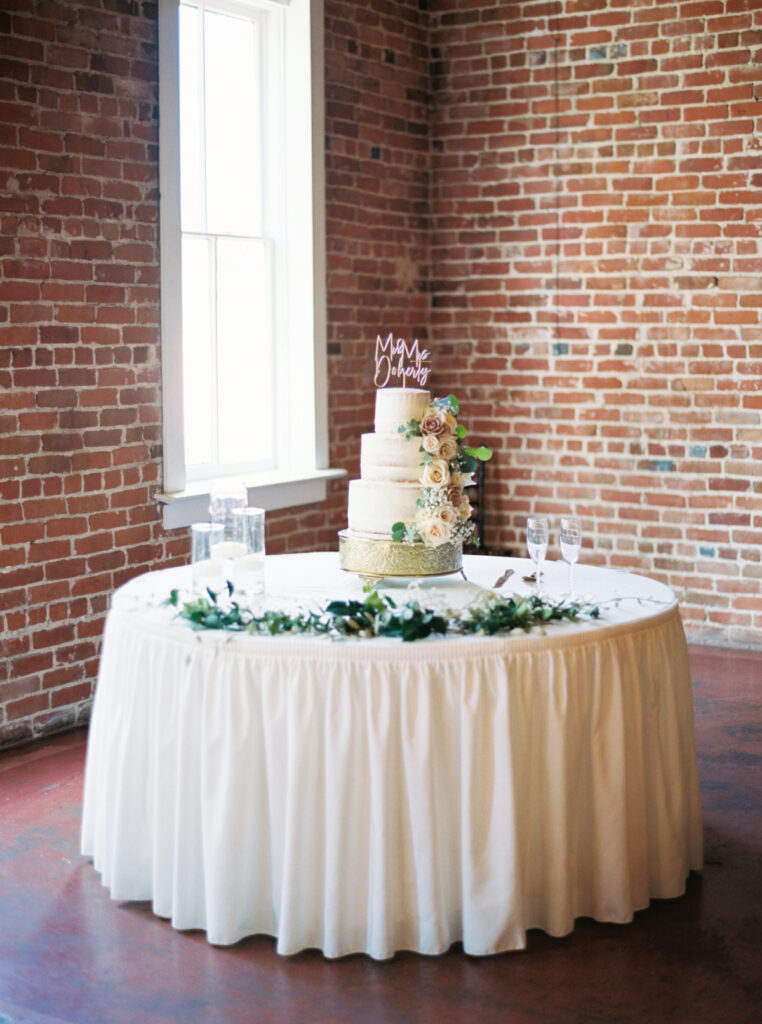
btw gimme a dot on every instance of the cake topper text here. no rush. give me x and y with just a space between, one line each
395 358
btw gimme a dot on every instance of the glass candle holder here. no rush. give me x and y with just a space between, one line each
225 497
249 567
208 570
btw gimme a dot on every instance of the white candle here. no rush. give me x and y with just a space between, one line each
250 573
207 568
231 549
251 563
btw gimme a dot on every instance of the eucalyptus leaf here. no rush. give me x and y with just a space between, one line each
410 429
379 615
482 453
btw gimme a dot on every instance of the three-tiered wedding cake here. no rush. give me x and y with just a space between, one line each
390 465
391 494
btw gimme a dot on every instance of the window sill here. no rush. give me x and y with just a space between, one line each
270 491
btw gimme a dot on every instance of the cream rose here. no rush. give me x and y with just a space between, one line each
450 420
431 444
448 447
434 531
436 474
447 514
465 508
433 422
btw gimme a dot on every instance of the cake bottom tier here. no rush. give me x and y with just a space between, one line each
374 506
379 557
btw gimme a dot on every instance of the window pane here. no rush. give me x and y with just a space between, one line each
233 128
191 123
244 352
199 369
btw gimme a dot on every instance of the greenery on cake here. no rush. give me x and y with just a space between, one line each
447 462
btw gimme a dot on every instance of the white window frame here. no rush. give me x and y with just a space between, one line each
302 476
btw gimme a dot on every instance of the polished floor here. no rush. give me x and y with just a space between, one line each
70 954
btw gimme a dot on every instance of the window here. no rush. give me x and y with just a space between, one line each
242 275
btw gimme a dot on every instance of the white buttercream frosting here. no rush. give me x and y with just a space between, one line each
375 505
386 457
395 407
390 465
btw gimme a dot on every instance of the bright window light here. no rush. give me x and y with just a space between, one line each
241 132
228 57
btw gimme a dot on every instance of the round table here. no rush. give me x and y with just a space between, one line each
371 795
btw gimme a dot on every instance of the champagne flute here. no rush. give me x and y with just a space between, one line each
537 544
571 540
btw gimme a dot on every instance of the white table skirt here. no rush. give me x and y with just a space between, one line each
376 796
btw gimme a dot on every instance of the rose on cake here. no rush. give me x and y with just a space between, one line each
433 530
455 495
448 447
461 479
447 464
436 473
448 514
433 422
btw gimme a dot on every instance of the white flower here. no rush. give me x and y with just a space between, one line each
431 444
464 530
434 530
436 474
447 514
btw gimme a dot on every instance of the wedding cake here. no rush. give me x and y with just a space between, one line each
390 465
407 513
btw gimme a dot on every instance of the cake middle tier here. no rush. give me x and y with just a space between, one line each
390 457
376 505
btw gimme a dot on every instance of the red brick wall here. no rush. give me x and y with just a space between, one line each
378 107
596 222
80 405
79 362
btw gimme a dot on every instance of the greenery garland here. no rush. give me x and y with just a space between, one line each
379 615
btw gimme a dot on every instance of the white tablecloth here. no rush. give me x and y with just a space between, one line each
370 795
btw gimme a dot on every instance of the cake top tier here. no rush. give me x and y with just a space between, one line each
395 407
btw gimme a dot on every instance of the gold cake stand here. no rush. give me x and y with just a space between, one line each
376 558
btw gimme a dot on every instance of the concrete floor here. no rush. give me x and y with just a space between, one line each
70 954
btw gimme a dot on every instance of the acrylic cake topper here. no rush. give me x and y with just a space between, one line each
396 359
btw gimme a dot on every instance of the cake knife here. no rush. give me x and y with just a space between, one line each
501 579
